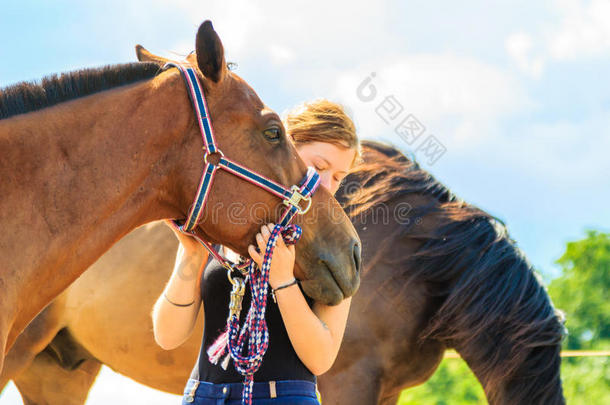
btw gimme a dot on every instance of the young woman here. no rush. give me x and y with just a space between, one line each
304 336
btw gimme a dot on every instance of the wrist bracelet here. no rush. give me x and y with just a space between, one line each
178 305
273 290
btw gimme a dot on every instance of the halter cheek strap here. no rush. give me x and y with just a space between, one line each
293 198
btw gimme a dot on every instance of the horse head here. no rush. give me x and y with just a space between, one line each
251 134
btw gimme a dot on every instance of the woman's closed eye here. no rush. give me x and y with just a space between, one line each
320 166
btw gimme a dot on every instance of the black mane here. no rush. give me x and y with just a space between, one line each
374 182
25 97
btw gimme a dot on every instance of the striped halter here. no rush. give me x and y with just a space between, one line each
290 197
254 334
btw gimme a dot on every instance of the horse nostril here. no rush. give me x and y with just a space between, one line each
357 258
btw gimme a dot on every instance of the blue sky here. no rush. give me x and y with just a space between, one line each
516 92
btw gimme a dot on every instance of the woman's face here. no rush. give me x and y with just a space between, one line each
331 161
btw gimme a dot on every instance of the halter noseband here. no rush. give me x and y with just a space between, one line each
292 197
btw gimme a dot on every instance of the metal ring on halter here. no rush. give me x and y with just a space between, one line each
205 157
229 276
295 199
230 270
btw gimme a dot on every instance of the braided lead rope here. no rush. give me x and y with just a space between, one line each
254 331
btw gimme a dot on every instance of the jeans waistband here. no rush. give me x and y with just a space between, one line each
267 389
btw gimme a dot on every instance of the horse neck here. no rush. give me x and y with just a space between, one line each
536 381
80 176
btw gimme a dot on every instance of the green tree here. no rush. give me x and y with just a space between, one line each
582 291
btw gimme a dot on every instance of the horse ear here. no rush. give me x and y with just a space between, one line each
145 56
210 53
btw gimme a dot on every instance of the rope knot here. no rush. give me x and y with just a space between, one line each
291 234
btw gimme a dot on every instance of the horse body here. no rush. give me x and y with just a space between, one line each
112 326
388 343
381 343
79 175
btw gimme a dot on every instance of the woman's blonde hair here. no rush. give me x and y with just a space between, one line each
322 121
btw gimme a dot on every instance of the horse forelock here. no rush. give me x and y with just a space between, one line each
26 97
494 309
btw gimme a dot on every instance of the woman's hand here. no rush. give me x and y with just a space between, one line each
282 262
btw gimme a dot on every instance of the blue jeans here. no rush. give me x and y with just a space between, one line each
294 392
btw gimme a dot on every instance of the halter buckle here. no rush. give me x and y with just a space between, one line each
295 200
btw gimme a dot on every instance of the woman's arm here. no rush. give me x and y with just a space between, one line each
173 324
315 335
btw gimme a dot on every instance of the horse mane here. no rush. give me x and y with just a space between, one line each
25 97
493 307
385 174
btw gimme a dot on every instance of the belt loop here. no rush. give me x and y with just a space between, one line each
191 394
272 392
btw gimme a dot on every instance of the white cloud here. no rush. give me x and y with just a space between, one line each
583 31
326 50
458 99
329 32
462 100
519 47
281 55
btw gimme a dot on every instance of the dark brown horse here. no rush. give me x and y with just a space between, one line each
438 273
89 156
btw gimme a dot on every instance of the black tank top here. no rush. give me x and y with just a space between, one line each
280 361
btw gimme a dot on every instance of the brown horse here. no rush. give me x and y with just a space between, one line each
438 273
91 155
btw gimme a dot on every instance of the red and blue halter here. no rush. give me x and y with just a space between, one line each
254 331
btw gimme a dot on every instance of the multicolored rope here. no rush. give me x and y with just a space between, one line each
230 343
254 330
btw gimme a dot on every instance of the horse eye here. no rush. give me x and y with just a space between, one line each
272 133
